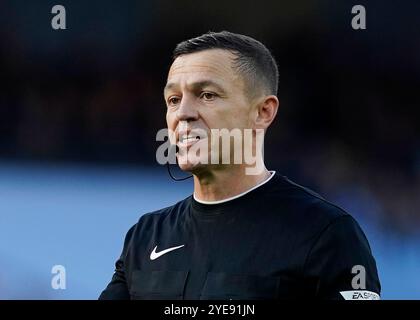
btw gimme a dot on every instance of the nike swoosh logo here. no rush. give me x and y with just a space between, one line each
154 255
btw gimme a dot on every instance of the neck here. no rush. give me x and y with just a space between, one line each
222 183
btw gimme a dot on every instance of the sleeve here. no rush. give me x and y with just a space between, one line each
117 289
341 263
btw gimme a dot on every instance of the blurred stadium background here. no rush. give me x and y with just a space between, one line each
80 108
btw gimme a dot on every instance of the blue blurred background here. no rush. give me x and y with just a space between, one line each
80 108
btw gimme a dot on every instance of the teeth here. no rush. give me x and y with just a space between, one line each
186 138
190 139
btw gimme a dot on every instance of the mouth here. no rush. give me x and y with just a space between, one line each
187 140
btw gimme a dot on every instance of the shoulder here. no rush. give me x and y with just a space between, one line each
304 209
170 214
305 199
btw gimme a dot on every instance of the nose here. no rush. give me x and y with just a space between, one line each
187 110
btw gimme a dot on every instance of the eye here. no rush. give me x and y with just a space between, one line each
208 96
173 100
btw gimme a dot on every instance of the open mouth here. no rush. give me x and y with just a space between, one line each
186 139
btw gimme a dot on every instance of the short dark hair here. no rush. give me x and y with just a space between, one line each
253 60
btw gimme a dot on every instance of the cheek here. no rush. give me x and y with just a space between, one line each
237 113
170 120
171 126
234 118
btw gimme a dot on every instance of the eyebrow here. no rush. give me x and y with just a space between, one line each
196 85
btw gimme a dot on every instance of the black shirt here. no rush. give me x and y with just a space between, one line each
278 241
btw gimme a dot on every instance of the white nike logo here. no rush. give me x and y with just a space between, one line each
154 255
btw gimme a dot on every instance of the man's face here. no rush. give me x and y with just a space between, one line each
204 92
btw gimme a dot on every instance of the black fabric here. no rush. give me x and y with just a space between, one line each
279 241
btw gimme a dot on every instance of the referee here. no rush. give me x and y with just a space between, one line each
239 235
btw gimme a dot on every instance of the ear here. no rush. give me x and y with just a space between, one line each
266 112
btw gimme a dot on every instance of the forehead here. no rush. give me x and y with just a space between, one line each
214 64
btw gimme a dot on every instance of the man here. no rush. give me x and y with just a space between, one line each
240 235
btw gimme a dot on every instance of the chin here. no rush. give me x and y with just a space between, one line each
190 166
